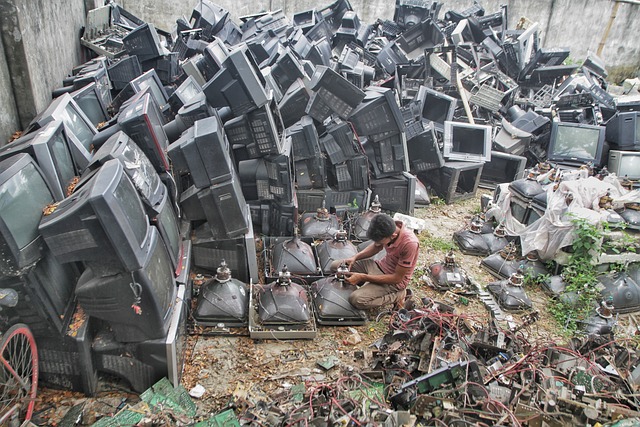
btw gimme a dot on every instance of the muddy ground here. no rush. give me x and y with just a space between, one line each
244 371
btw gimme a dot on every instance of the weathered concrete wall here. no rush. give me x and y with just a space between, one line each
41 45
8 111
576 24
40 38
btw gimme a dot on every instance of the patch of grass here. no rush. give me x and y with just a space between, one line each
416 278
436 243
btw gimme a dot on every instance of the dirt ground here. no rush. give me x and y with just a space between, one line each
239 369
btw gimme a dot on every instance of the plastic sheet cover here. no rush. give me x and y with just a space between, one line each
554 229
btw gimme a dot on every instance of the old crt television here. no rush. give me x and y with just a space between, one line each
214 56
79 126
304 139
143 42
167 355
95 72
424 152
378 112
166 221
90 101
287 70
623 130
293 103
49 147
184 93
467 142
502 168
436 107
152 288
135 163
576 144
196 109
208 155
258 131
23 195
143 122
208 16
236 85
625 164
254 179
103 224
151 80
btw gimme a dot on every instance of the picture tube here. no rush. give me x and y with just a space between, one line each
500 169
188 91
630 166
156 91
78 126
436 109
63 161
576 142
140 170
90 105
168 221
161 277
128 200
467 140
22 198
57 280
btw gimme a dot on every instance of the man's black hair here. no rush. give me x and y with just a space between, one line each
381 227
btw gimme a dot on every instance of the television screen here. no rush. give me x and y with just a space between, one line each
167 223
467 142
90 101
214 55
136 164
436 107
143 122
23 195
152 288
502 168
78 125
184 93
625 164
576 143
151 80
55 283
102 224
49 147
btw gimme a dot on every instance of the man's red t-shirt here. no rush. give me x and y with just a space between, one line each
404 252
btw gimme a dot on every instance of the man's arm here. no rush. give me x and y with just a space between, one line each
367 252
381 279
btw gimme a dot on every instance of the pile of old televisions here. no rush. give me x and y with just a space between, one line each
170 153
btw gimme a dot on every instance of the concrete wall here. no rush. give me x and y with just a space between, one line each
40 38
8 111
576 24
41 41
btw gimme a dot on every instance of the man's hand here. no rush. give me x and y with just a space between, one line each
349 262
356 278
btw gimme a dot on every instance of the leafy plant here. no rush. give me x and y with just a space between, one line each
437 201
580 276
